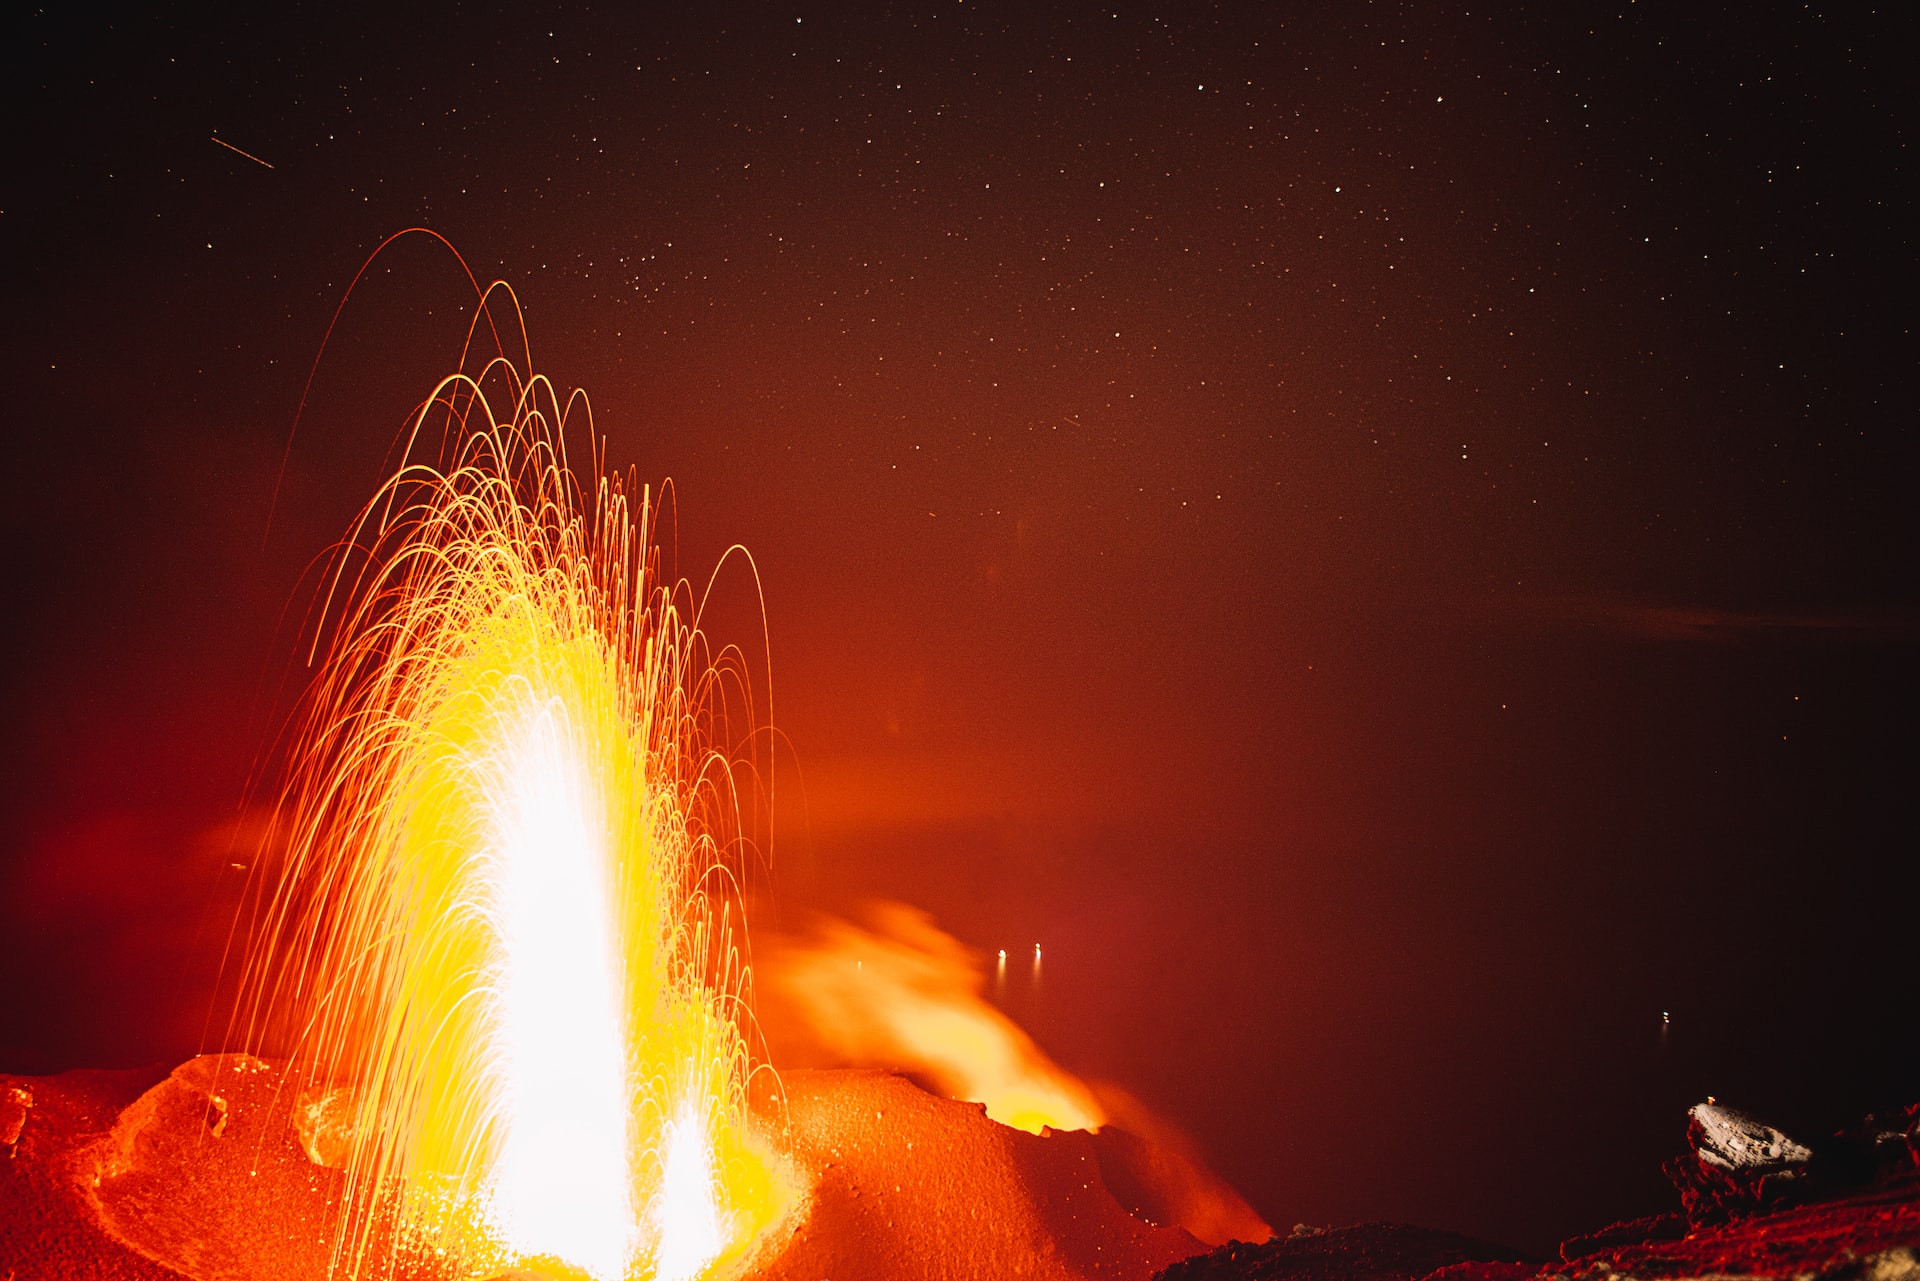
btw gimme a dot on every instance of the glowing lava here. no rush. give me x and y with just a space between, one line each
504 914
560 1184
685 1216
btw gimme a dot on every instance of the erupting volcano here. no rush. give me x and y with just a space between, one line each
504 920
494 1015
494 1012
1337 584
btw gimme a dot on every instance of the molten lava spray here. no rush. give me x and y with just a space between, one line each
504 925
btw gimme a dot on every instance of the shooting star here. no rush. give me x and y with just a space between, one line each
248 154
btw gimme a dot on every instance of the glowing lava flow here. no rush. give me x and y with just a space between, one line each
504 920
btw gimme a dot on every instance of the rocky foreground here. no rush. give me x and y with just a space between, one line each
1753 1204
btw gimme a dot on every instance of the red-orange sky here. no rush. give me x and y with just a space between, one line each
1381 536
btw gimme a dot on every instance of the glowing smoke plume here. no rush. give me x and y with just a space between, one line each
900 992
505 916
907 994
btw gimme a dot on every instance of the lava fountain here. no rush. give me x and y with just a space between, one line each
504 928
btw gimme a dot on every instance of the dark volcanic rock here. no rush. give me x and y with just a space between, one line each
1739 1166
1759 1205
1870 1236
1884 1148
1364 1252
1485 1270
1657 1227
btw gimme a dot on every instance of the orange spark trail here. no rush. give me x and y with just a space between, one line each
505 919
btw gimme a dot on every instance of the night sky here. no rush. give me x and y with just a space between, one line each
1381 536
